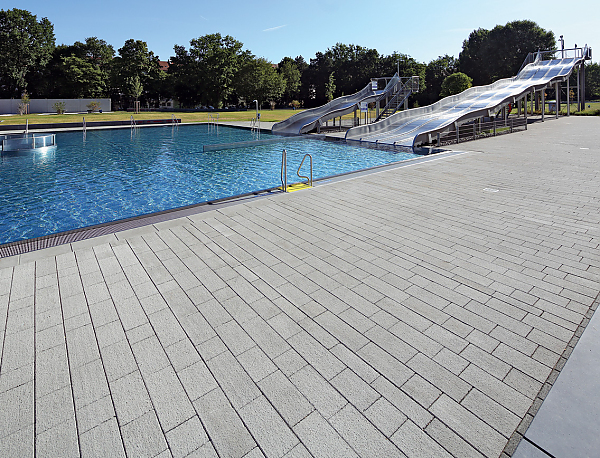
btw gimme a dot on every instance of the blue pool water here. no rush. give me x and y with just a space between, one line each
118 173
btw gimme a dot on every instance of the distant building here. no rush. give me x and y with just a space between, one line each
164 65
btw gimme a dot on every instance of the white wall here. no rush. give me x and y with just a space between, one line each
11 106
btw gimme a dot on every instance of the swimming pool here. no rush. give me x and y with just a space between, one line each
120 173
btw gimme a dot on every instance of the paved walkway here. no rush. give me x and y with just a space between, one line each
414 312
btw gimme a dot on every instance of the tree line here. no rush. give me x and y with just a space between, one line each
217 71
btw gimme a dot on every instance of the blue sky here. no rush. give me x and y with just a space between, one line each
274 29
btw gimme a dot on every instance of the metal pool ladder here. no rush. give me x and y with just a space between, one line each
309 180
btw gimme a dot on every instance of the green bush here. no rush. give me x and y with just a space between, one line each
59 107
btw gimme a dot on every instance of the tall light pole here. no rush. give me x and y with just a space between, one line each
256 109
562 47
398 67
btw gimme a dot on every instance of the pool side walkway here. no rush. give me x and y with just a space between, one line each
423 311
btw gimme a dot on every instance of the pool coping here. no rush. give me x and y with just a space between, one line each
21 247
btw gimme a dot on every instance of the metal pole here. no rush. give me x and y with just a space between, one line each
543 103
568 96
557 92
583 85
578 92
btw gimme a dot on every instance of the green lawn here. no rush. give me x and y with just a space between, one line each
265 115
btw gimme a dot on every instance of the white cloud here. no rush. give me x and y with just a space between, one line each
275 28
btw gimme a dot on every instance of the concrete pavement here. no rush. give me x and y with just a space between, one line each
422 311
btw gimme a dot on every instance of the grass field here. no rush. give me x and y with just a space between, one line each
265 115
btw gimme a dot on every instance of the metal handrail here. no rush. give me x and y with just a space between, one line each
405 91
284 170
309 181
133 124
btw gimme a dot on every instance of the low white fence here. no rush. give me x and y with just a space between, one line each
11 106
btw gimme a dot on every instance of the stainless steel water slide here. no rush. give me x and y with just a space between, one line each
307 120
410 127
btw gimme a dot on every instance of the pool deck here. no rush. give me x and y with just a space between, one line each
422 311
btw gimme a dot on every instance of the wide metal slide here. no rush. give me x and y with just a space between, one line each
411 127
310 119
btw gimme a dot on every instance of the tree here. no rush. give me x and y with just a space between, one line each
134 67
407 66
455 84
489 55
258 80
26 46
435 73
288 69
82 78
218 60
592 81
330 87
77 70
184 72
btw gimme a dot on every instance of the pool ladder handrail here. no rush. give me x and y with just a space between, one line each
255 125
133 123
309 180
212 121
174 120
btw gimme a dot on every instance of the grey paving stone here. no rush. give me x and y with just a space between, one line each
527 365
402 402
268 428
385 364
356 390
316 355
187 437
233 380
17 407
149 355
18 444
391 343
169 399
167 328
256 363
101 441
499 418
451 361
53 409
346 334
118 360
299 451
321 439
439 377
130 397
285 397
228 434
18 350
289 362
17 377
385 416
421 390
318 391
197 380
475 431
489 363
46 444
416 443
452 442
234 337
240 310
211 348
364 438
182 354
94 414
143 437
523 383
